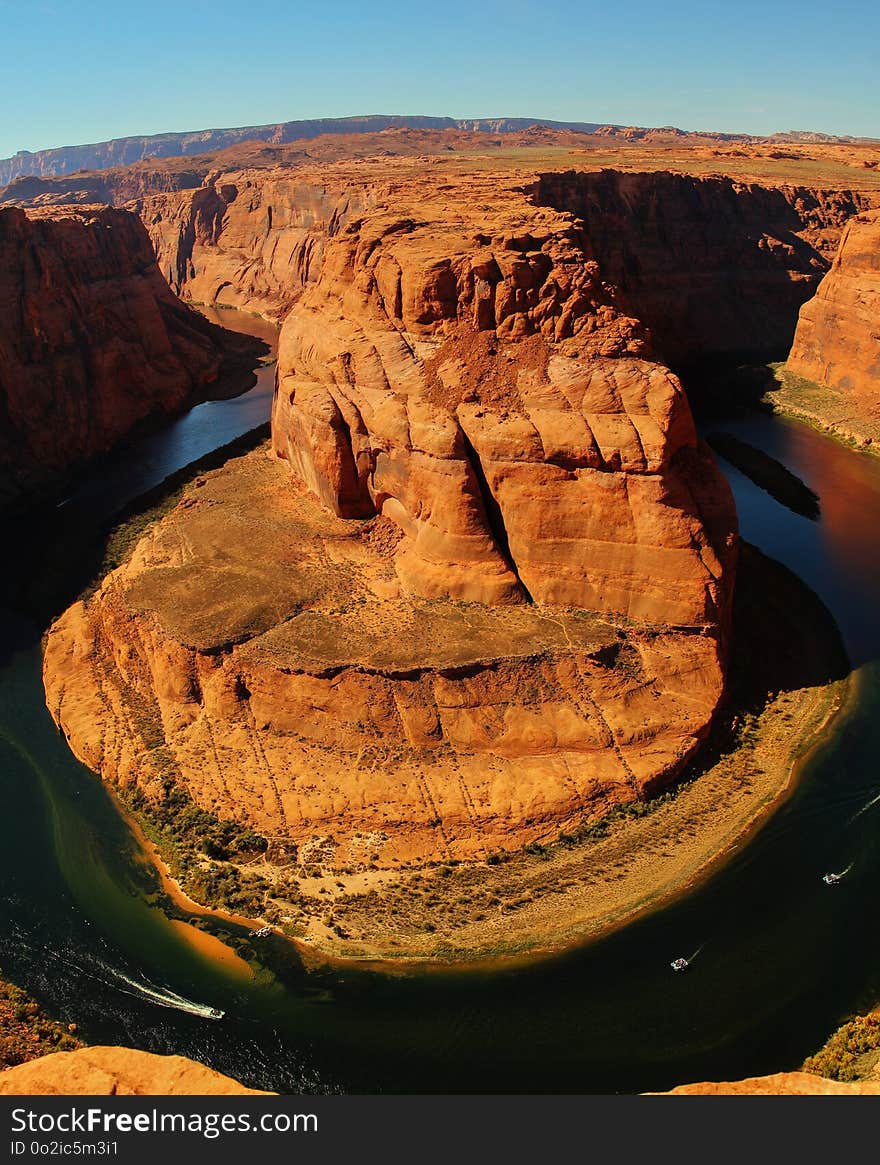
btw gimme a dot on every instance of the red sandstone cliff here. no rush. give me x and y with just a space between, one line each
837 342
92 342
708 265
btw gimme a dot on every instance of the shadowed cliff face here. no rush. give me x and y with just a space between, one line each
710 266
837 342
92 341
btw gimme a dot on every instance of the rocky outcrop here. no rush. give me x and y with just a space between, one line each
474 378
837 343
110 1071
93 342
780 1084
261 654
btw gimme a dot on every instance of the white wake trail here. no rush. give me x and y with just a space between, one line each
864 809
165 997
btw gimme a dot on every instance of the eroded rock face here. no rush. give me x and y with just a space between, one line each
245 240
110 1071
92 341
837 342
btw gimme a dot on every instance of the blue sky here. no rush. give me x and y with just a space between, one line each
82 70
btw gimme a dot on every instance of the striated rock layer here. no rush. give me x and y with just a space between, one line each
122 151
481 594
92 341
837 342
114 1071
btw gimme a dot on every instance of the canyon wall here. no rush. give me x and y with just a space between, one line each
837 342
92 342
710 266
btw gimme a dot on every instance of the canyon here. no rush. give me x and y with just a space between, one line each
92 338
475 595
486 459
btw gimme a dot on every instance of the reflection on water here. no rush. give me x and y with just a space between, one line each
782 956
838 556
137 468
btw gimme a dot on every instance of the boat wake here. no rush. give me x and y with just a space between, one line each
864 809
140 989
165 997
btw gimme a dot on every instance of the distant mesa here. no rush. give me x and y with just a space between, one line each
123 151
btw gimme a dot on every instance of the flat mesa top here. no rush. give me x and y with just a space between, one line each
249 557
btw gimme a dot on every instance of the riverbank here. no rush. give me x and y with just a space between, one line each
850 1053
837 414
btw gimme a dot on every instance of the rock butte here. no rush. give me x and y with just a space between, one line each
483 591
837 342
92 337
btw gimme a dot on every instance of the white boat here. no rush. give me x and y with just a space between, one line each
679 964
833 879
215 1013
263 932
